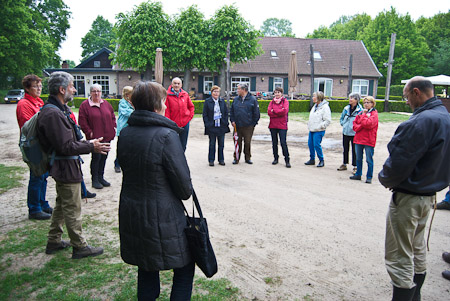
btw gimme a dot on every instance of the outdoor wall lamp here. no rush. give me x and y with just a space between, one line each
262 79
193 77
129 77
115 81
341 81
88 80
300 79
170 77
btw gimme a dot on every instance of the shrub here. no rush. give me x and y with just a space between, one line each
396 90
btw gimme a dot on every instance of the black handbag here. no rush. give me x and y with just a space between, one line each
198 239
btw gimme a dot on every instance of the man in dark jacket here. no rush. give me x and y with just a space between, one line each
244 116
57 131
416 169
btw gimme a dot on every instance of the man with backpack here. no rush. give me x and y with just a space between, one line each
57 132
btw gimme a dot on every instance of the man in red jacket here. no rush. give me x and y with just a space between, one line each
38 207
180 109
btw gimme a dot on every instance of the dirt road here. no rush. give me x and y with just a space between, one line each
278 233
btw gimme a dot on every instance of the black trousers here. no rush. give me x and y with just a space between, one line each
346 141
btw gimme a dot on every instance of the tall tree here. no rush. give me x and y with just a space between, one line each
30 42
227 25
138 34
434 29
345 28
99 36
188 41
411 49
440 59
274 27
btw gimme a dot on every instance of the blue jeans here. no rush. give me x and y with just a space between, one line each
149 286
212 147
447 196
37 188
369 159
314 141
275 133
184 136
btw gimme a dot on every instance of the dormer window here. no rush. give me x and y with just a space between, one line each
273 53
317 56
96 64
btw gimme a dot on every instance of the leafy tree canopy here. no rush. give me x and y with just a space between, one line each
345 28
440 59
99 36
434 29
274 27
30 42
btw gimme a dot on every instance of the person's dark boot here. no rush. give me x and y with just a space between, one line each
104 182
53 247
418 280
288 164
87 251
403 294
41 215
90 195
321 164
95 183
310 162
275 161
355 177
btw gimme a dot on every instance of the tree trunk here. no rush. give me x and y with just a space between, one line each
187 80
148 73
222 80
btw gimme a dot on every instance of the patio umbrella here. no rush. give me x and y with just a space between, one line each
292 73
159 66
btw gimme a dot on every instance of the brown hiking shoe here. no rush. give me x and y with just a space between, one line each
53 247
342 167
87 251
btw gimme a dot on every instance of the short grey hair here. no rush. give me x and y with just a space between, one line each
243 87
355 95
178 79
99 87
58 79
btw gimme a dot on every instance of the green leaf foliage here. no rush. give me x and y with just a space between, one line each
99 36
440 59
274 27
434 29
138 34
30 42
345 28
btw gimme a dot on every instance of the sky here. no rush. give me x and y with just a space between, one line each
304 15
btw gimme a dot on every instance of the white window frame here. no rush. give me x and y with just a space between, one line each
102 80
317 56
96 64
277 82
237 80
273 53
327 85
208 82
360 86
76 81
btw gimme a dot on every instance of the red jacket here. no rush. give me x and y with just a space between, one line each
365 127
278 114
26 108
179 109
97 122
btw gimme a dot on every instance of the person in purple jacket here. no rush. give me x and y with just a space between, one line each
278 112
97 120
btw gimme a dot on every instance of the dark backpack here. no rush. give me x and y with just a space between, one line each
38 160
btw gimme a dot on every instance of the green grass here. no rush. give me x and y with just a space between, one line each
10 177
58 277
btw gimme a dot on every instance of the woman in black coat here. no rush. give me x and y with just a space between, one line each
215 118
156 179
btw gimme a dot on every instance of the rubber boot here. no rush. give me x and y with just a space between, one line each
95 183
418 280
403 294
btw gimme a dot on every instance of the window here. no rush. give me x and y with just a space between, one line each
208 82
361 86
277 82
317 56
325 85
273 53
96 64
78 83
235 81
102 80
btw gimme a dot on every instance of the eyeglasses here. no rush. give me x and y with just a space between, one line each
405 97
96 91
38 87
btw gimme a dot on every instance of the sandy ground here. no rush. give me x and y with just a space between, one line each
311 231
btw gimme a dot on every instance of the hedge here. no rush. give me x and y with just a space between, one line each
396 90
294 105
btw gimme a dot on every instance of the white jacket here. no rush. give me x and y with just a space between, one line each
321 118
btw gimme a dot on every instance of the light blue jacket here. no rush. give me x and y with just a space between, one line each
347 119
125 110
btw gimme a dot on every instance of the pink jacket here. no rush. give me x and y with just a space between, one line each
365 127
180 109
278 114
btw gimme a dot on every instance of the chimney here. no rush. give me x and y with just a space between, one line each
65 65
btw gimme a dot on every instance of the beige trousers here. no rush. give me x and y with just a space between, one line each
405 248
67 210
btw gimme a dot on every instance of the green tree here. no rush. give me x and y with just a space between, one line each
188 42
440 59
30 35
227 25
138 34
99 36
274 27
345 28
434 29
71 64
411 49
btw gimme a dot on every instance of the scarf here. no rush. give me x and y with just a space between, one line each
217 113
277 100
174 92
